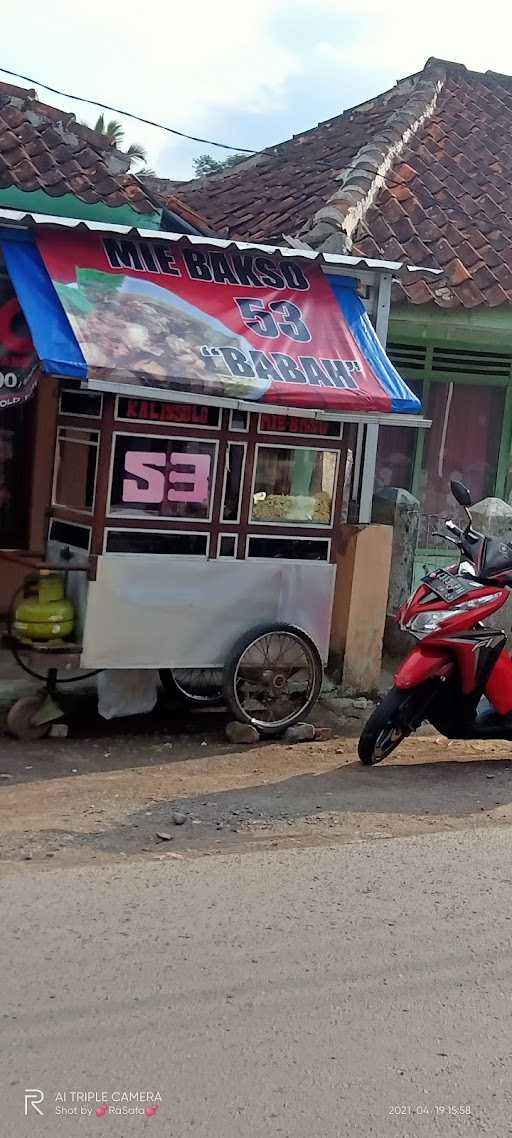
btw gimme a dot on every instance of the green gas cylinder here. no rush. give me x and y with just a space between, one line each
46 614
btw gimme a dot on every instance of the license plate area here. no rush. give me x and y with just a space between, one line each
448 587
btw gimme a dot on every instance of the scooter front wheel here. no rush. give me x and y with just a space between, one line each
387 726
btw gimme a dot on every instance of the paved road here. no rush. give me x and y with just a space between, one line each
305 994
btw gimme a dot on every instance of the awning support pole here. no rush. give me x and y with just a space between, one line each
357 457
368 477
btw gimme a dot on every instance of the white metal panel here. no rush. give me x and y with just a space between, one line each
151 611
168 395
24 219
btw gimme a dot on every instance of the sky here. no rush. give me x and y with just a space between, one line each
247 74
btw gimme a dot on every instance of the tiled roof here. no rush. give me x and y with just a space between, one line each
421 174
279 190
162 188
43 148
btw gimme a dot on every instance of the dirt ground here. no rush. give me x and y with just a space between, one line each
110 789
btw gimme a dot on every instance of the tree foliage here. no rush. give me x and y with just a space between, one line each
114 131
206 164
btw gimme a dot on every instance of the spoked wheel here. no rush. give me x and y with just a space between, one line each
197 687
392 721
273 677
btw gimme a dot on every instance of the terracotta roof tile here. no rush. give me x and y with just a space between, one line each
443 139
464 160
455 272
44 148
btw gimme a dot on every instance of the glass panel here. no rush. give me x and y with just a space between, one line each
74 402
69 534
234 475
239 421
227 546
161 477
463 442
14 459
294 485
147 541
75 469
297 425
395 457
288 548
154 411
396 451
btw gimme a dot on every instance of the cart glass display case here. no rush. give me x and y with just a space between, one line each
159 477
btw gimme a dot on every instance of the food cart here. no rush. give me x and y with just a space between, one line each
219 407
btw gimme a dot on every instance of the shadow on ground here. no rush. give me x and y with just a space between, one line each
169 734
448 789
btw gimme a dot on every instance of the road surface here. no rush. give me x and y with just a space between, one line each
307 993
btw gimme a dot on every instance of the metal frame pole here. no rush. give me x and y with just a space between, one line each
368 477
383 306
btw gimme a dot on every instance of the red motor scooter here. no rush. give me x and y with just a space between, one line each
457 660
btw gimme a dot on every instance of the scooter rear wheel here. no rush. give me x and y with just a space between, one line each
386 728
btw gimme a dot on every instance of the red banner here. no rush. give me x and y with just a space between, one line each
213 322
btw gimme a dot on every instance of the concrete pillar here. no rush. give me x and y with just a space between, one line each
399 509
359 611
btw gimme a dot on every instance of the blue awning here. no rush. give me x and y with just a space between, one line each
52 335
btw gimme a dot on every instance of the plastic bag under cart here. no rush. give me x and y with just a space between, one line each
126 692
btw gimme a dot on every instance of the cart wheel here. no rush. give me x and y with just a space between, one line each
197 687
273 677
19 719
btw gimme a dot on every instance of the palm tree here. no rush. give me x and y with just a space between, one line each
114 131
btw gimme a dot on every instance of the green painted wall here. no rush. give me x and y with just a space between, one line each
474 330
67 205
477 328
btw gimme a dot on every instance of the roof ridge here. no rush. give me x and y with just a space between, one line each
333 226
275 147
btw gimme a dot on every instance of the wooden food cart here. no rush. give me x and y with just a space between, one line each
218 419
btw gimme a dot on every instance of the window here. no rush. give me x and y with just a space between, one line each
294 486
154 411
299 425
156 541
14 452
73 401
395 457
289 548
395 453
75 468
227 545
233 483
160 477
238 421
67 533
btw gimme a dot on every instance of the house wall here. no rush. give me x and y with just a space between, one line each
462 361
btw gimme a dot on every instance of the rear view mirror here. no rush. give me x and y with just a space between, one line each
461 494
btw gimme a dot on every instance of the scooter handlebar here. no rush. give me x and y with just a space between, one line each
454 529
